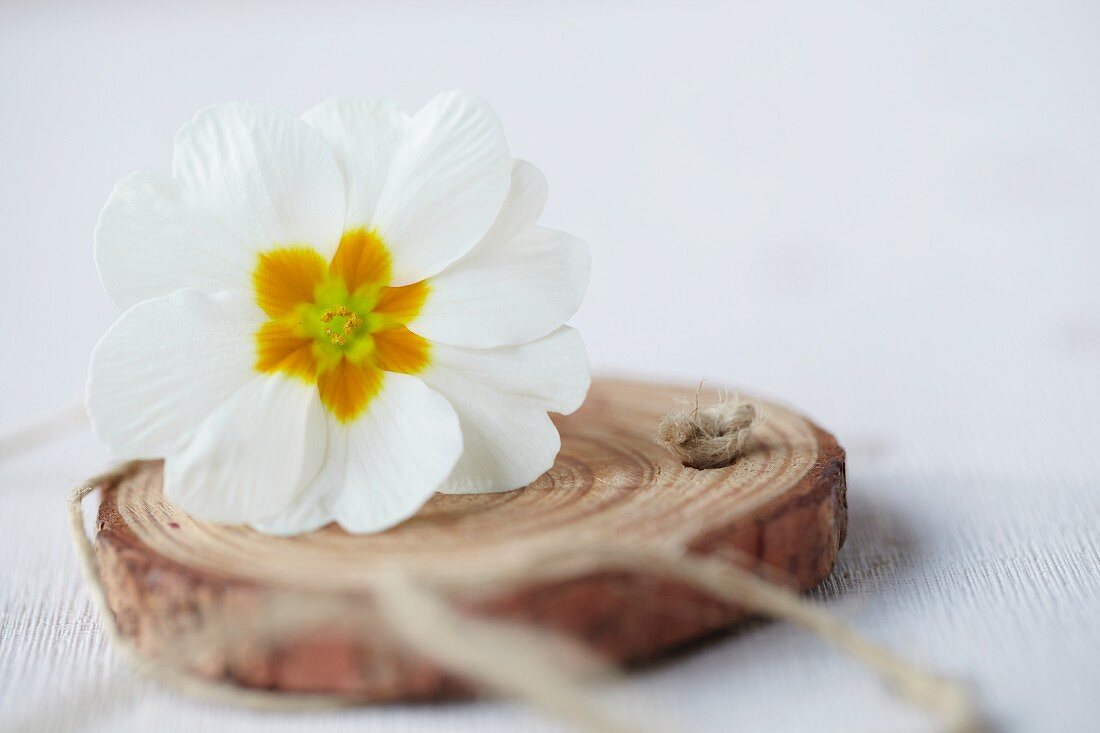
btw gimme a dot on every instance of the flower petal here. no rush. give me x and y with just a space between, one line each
398 452
445 187
519 283
400 350
252 455
364 134
280 348
268 176
527 194
347 388
285 278
400 305
305 513
502 396
361 260
165 365
150 242
310 509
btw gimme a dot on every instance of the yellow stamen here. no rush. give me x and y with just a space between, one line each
352 322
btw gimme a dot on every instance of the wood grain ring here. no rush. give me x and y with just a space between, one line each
782 504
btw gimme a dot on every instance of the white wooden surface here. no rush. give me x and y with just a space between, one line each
886 214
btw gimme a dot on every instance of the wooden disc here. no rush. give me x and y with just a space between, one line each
783 503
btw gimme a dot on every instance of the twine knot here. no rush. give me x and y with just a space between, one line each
711 436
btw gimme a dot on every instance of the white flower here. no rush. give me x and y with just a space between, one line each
331 317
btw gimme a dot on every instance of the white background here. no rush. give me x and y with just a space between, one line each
884 214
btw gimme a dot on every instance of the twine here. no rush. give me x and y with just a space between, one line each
708 436
44 431
530 665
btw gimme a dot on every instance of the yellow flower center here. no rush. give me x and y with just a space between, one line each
338 325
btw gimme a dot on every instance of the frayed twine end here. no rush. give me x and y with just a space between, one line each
711 436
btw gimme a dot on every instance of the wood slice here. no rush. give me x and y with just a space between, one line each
783 504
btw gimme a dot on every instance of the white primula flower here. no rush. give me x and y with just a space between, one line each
329 318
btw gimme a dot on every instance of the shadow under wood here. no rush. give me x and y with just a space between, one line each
879 545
